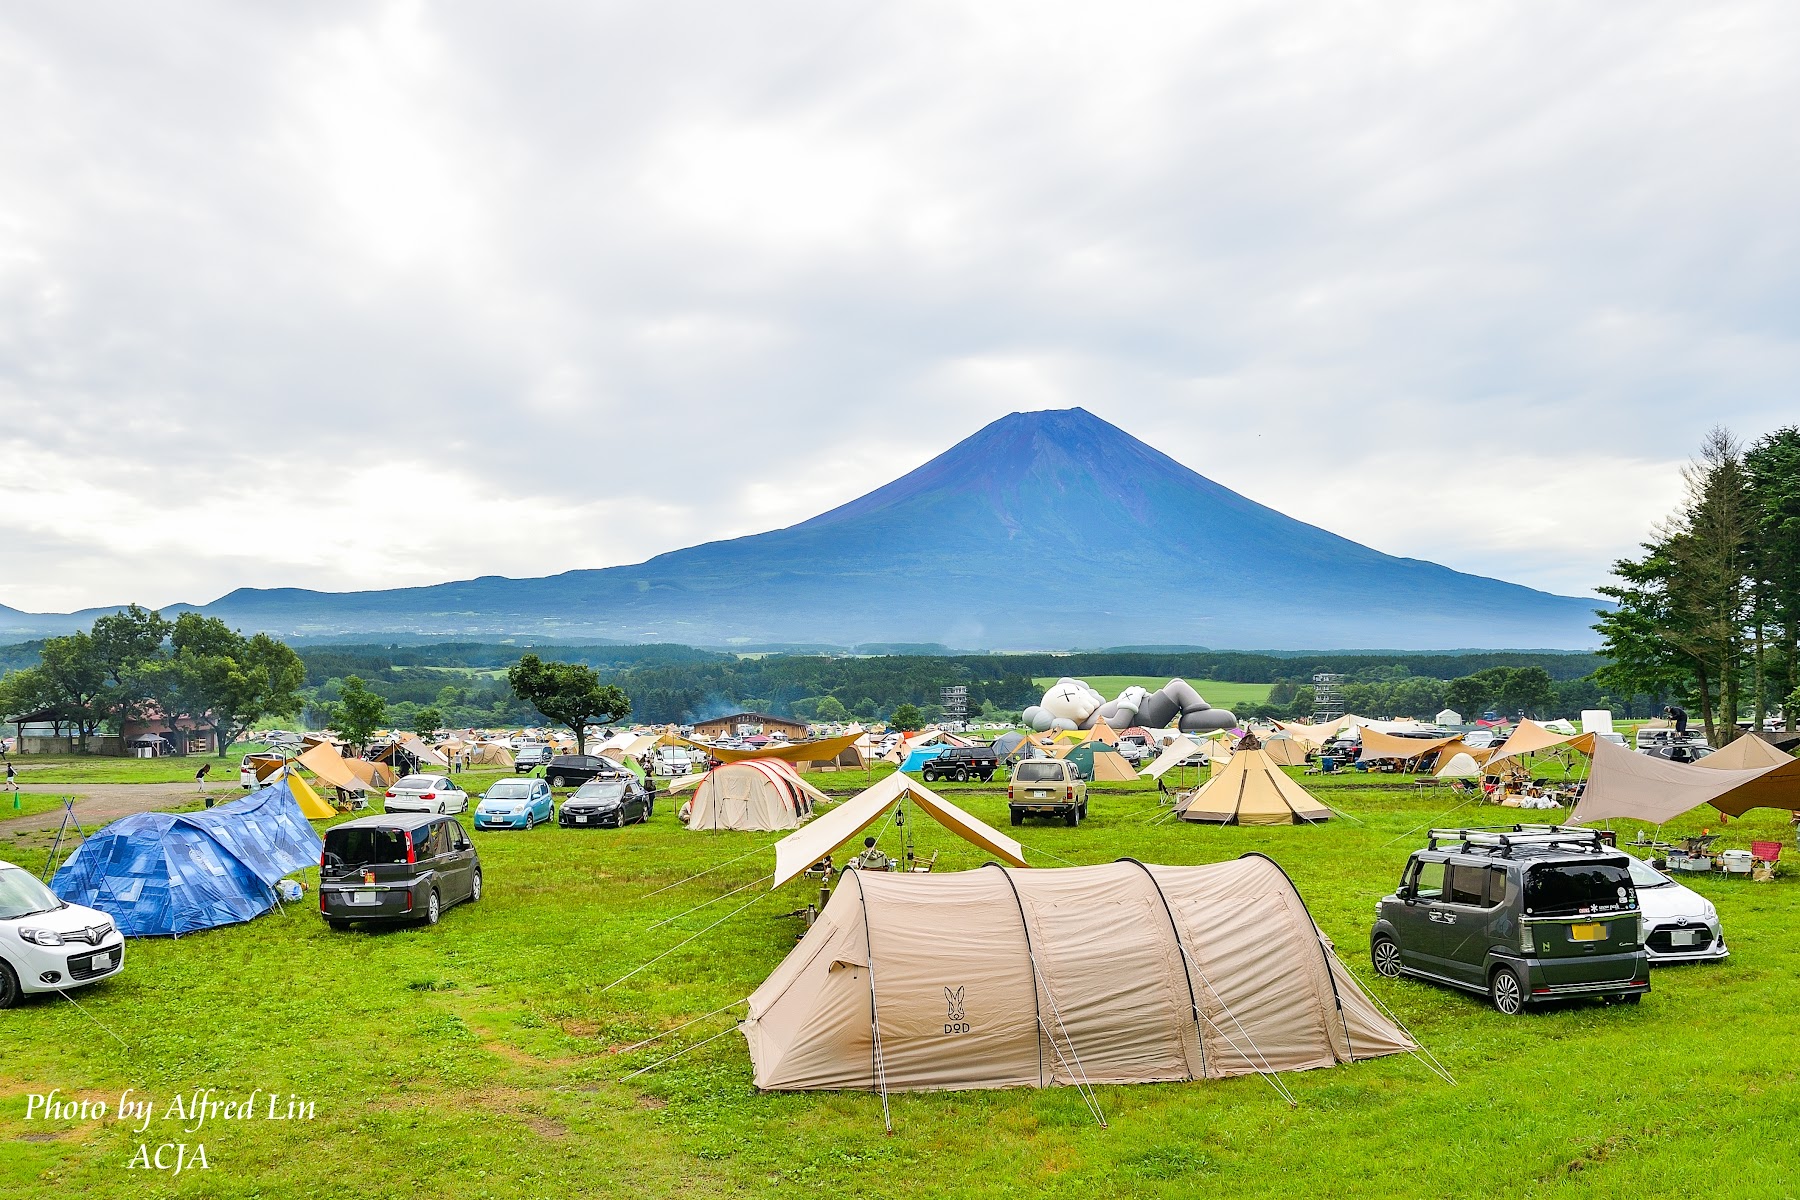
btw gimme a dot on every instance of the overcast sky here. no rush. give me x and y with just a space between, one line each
364 295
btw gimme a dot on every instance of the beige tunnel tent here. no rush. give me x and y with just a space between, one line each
1121 973
1252 790
761 793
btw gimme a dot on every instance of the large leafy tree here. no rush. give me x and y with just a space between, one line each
358 712
1773 466
230 682
76 675
568 694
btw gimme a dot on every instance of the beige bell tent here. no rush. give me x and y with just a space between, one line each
1251 790
758 794
800 850
1285 750
1120 973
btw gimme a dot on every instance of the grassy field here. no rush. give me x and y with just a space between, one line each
481 1058
1216 692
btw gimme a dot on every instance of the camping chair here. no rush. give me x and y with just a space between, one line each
1766 855
923 867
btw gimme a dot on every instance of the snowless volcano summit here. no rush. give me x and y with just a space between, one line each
1043 530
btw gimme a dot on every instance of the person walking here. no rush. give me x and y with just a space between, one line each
201 774
12 776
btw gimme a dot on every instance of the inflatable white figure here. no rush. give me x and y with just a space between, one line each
1072 704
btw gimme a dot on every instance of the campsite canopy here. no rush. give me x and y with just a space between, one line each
324 761
1252 790
801 849
1119 973
173 873
1179 751
1377 745
1622 783
821 750
1528 738
1746 752
758 794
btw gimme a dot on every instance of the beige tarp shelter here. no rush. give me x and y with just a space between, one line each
1747 752
375 774
1121 973
760 794
1528 738
1286 750
324 761
822 750
1377 745
1318 735
1622 783
1252 790
1179 751
800 850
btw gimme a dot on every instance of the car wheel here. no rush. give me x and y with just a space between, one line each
962 776
1507 992
338 924
10 992
1070 818
1634 998
1384 952
475 886
1018 819
432 909
556 781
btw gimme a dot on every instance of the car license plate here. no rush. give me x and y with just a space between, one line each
1587 933
362 897
101 961
1685 937
1038 793
581 820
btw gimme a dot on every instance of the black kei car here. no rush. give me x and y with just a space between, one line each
572 770
1525 914
396 867
612 802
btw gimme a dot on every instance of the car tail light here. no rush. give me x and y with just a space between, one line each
1526 942
390 793
1069 792
428 795
1009 792
410 856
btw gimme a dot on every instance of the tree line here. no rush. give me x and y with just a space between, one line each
1711 612
136 665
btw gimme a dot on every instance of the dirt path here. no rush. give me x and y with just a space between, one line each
97 804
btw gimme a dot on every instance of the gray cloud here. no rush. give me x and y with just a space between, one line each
357 296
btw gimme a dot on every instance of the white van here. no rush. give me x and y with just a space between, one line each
673 761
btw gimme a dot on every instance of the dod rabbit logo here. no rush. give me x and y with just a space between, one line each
954 1021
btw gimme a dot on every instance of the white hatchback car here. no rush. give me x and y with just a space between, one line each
47 945
426 794
1680 925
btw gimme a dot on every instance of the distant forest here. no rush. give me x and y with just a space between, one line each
466 681
680 683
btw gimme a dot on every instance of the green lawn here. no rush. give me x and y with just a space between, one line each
1215 692
481 1058
96 768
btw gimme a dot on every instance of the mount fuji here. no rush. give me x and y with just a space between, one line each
1043 530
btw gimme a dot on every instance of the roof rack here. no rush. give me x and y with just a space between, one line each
1506 838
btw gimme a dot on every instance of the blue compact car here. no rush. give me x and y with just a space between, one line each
515 804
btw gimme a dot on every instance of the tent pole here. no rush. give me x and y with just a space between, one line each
887 1118
1187 969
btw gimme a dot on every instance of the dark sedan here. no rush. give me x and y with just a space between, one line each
613 803
570 770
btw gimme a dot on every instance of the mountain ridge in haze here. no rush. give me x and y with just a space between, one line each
1042 530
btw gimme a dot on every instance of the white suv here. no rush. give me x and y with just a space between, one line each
47 945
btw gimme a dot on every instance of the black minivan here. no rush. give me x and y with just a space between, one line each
396 867
1525 914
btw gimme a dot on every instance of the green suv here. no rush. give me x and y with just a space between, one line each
1524 914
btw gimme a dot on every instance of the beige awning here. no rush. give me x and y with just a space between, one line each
1622 783
808 844
822 750
324 761
1747 752
1179 751
1529 738
1377 745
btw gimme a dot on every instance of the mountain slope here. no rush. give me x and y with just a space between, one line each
1047 529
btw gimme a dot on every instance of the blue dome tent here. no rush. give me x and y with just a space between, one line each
158 874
